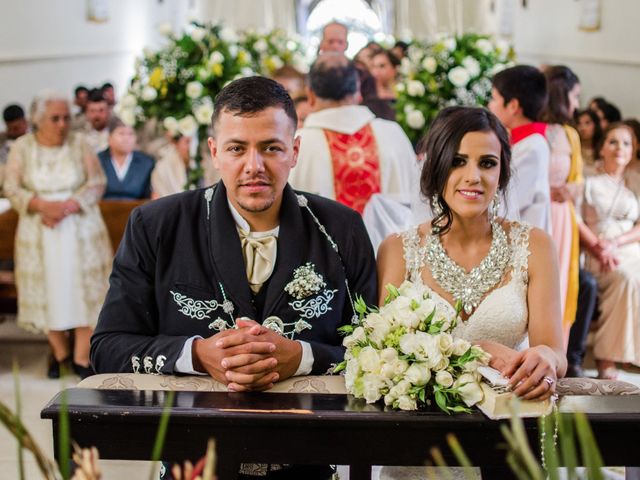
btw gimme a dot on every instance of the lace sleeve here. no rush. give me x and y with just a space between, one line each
520 249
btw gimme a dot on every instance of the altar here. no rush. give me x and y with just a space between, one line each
307 425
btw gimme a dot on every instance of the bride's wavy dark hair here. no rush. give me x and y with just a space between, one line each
440 146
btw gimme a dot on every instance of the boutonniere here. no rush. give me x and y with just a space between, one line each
306 282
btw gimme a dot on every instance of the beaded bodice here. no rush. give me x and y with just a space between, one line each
502 315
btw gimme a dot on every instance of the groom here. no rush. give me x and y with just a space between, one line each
246 281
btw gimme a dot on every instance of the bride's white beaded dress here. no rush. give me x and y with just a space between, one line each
502 314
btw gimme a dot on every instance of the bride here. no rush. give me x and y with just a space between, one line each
504 273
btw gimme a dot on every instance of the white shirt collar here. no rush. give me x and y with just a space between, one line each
121 171
241 223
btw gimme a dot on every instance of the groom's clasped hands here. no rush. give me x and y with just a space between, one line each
248 358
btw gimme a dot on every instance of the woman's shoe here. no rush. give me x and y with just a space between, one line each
607 370
57 368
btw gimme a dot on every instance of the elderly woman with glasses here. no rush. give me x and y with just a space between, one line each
63 255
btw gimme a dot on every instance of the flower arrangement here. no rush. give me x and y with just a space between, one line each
405 353
450 71
176 85
273 50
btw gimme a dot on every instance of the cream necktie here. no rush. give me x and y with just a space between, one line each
259 257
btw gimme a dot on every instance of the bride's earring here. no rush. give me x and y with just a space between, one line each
436 206
494 207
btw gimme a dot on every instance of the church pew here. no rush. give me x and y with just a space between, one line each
114 212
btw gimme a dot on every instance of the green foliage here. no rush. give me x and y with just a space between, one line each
158 443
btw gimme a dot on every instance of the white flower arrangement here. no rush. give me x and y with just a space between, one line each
450 71
306 282
404 353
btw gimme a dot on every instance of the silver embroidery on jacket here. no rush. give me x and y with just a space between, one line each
314 307
135 364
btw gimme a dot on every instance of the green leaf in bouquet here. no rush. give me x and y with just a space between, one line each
458 307
346 330
414 304
392 293
441 400
339 367
360 306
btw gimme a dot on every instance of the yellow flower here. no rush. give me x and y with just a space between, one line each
242 57
217 69
156 78
164 90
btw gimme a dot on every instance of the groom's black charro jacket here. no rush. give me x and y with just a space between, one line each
180 272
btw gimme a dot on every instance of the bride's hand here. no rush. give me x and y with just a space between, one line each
501 356
533 373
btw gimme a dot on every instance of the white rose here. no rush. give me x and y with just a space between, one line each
430 64
356 336
406 67
460 346
378 326
472 66
128 116
247 72
128 101
371 385
399 366
389 398
400 87
425 309
415 88
484 45
171 125
203 113
228 35
459 76
276 62
425 346
497 68
441 364
194 89
198 34
418 374
409 107
409 343
401 308
415 119
400 388
389 354
165 29
149 94
445 343
369 359
405 402
469 388
449 43
351 373
260 46
216 57
187 126
444 378
414 53
503 47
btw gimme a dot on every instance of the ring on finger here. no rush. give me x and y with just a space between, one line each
550 381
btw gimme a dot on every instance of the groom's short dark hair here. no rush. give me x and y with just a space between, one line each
250 95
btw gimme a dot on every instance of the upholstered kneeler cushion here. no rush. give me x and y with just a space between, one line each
313 384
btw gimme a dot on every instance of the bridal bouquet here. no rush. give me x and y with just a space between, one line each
404 352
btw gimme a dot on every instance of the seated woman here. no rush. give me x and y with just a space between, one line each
611 235
128 172
504 273
590 134
170 173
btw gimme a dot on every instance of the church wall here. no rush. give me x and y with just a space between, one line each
51 44
607 61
